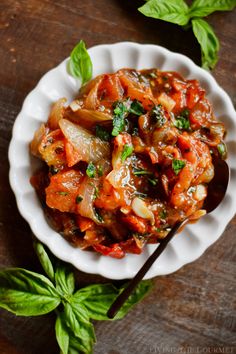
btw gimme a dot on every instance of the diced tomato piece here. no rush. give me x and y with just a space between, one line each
180 99
114 250
108 198
201 114
110 90
178 84
134 223
72 156
193 94
84 223
130 246
136 91
52 148
153 155
62 191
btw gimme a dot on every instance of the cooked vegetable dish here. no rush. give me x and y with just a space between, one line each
127 159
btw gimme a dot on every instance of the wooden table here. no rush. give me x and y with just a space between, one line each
189 311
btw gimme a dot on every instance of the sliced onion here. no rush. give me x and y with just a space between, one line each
88 87
217 131
56 113
75 105
119 177
91 101
38 136
88 117
90 148
166 101
86 191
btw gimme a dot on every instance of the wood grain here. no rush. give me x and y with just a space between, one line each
192 310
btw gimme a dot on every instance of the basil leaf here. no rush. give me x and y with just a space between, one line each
78 321
163 214
44 259
182 121
153 181
78 345
91 170
26 293
62 334
138 294
136 108
67 340
80 64
118 125
102 133
120 111
78 199
208 41
140 172
65 280
120 108
177 165
222 149
158 115
202 8
127 151
174 11
98 298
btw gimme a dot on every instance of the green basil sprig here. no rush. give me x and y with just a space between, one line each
178 12
80 65
26 293
208 41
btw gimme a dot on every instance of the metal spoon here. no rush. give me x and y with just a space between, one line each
216 191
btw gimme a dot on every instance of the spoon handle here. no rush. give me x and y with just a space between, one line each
120 300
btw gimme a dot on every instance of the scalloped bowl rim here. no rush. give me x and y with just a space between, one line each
184 248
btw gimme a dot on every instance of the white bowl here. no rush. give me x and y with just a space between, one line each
185 247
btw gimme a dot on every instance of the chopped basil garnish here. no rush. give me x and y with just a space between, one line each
96 193
78 199
53 170
127 151
153 75
98 216
121 110
91 170
136 108
158 115
102 133
141 195
100 171
222 150
63 193
140 172
177 165
118 125
163 214
153 181
182 120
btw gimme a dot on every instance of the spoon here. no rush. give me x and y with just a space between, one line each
216 191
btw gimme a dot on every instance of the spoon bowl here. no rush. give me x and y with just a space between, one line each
216 192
